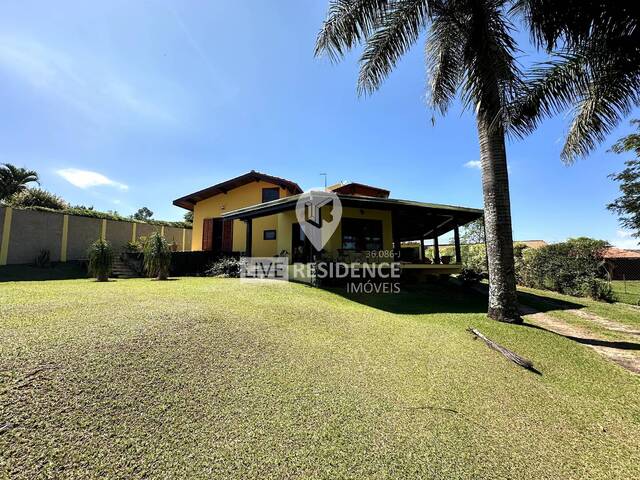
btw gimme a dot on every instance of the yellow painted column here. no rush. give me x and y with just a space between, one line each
6 233
134 228
65 238
103 229
184 239
162 231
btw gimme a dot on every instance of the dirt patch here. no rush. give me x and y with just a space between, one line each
620 353
608 324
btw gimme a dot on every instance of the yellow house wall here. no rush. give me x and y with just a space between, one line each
286 220
243 196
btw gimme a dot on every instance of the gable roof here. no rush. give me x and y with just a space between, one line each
188 201
360 189
613 252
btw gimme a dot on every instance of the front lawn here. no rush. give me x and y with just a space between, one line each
627 291
206 378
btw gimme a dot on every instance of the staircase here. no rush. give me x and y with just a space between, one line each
121 270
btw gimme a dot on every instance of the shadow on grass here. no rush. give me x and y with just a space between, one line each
596 342
443 296
432 297
30 273
546 304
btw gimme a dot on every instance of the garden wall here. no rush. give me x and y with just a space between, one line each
25 233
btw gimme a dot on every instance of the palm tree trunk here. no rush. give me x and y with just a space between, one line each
503 300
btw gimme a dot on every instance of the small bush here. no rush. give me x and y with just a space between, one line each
36 197
224 267
135 247
43 260
100 256
470 277
157 256
598 289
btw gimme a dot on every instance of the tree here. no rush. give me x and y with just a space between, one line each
100 255
473 233
36 197
15 179
627 206
469 50
143 214
594 72
157 256
188 217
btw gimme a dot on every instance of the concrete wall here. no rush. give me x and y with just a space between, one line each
25 233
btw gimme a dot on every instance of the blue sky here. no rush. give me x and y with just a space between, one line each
128 104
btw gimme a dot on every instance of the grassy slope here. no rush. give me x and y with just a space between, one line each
213 377
629 293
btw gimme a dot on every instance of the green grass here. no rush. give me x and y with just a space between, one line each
549 301
56 271
627 291
206 378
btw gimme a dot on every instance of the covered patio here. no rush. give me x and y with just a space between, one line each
410 221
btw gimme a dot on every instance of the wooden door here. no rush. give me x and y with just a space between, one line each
207 234
227 236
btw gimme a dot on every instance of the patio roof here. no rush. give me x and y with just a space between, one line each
412 220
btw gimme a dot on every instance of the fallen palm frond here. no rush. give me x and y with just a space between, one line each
514 357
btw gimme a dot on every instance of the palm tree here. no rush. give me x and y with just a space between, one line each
15 179
100 255
157 256
594 72
469 50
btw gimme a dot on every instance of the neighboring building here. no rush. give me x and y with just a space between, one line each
622 264
254 215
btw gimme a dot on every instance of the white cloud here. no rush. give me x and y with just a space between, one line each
88 179
473 164
79 81
625 239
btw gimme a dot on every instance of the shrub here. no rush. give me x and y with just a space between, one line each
565 267
469 276
598 289
100 256
157 256
224 267
135 247
43 260
36 197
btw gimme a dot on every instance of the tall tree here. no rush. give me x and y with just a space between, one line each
594 71
15 179
627 206
470 51
142 214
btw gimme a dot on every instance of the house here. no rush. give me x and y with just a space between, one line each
254 214
622 264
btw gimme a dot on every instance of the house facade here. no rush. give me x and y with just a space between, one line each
254 215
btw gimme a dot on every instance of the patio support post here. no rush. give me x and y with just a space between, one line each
456 241
247 247
395 239
436 247
422 254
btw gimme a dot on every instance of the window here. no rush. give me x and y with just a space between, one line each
270 194
361 235
269 235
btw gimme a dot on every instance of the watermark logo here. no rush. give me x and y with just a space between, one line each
310 207
264 268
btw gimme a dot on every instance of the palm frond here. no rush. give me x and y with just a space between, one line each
398 30
443 51
607 102
348 23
